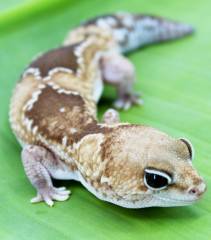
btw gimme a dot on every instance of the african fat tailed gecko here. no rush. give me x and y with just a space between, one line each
53 115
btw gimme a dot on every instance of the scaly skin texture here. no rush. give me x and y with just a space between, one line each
53 115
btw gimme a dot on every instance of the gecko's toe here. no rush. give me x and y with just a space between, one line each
127 101
59 197
140 101
62 191
127 105
122 104
36 199
50 194
61 194
61 188
48 200
118 104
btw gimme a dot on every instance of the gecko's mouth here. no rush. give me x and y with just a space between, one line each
179 201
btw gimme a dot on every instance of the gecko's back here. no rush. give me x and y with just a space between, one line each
57 93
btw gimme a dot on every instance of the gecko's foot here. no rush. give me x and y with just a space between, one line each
50 194
128 100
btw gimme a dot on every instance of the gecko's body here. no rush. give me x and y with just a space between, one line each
53 115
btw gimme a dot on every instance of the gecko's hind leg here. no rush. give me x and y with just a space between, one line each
111 116
36 161
119 71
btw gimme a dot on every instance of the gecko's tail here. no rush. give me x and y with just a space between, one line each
146 29
132 31
164 29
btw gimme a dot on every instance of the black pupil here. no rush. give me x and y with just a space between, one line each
155 180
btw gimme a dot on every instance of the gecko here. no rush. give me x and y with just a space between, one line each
53 114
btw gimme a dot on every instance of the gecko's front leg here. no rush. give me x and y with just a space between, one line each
119 71
36 161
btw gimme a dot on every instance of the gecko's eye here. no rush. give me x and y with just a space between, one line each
155 179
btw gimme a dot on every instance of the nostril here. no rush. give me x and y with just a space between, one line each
193 191
197 191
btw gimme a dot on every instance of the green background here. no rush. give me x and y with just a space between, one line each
175 80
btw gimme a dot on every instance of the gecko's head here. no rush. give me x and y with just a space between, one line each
154 169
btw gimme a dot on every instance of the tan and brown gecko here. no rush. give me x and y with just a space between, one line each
53 115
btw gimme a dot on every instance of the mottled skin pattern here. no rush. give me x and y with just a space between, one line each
53 115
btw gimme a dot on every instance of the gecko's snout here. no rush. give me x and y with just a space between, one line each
197 191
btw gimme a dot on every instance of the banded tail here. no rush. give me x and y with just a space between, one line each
132 31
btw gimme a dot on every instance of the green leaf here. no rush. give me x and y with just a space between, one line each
174 79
